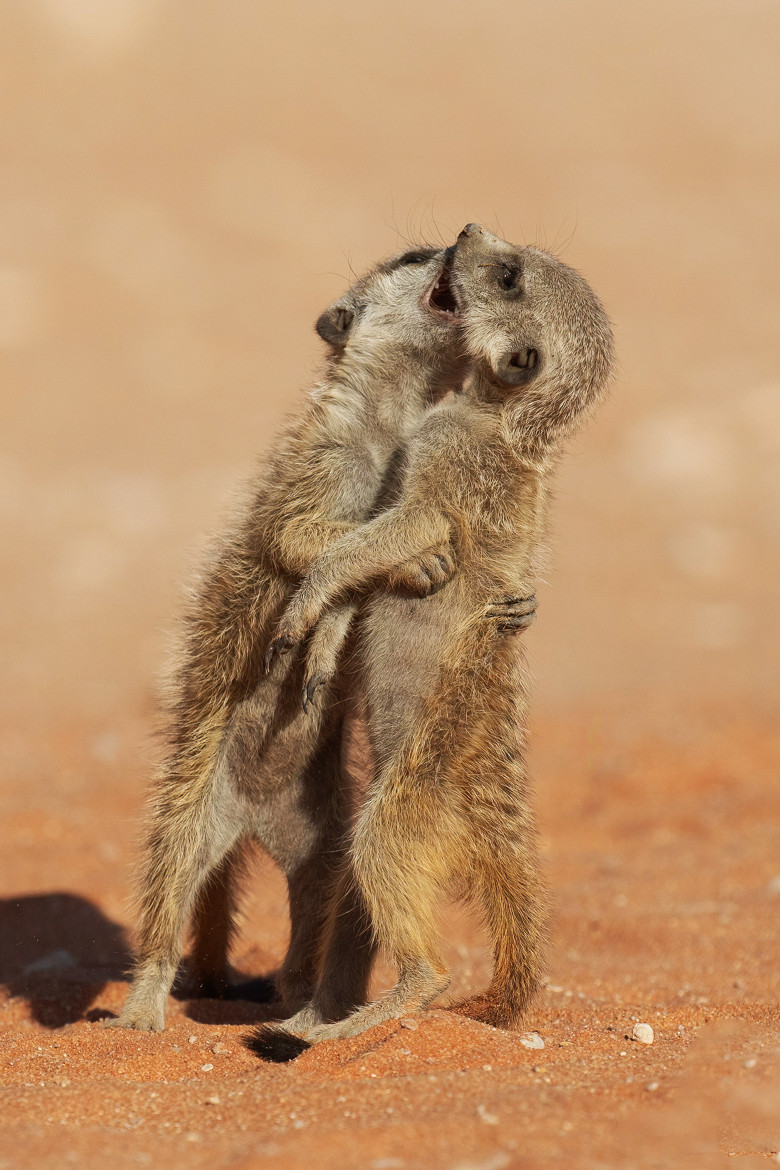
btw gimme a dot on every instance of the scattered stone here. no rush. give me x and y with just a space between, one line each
488 1118
750 1063
220 1050
192 1039
211 1101
531 1040
206 1067
412 1025
652 1086
643 1033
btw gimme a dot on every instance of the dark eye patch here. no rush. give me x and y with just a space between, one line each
510 277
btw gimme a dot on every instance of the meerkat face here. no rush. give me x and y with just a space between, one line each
532 326
405 302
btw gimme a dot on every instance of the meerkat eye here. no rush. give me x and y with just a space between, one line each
509 277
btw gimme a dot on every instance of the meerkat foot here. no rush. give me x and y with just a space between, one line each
141 1018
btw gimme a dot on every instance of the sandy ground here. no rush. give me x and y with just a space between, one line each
185 186
667 887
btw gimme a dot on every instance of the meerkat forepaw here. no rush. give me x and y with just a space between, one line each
512 614
426 574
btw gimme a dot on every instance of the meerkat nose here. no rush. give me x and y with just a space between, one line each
471 229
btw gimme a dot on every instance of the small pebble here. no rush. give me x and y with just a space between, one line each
488 1118
192 1039
643 1033
750 1063
206 1067
531 1040
212 1101
652 1086
412 1025
220 1050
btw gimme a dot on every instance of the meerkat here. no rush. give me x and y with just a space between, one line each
244 763
449 806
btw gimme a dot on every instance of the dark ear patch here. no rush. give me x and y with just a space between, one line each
335 324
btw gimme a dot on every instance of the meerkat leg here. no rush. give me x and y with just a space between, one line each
188 841
214 925
311 854
348 950
513 897
400 863
325 646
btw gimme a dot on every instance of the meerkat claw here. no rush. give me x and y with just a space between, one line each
309 691
278 647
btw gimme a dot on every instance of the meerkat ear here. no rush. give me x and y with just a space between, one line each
518 368
335 324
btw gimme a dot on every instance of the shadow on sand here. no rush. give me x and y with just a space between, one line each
58 951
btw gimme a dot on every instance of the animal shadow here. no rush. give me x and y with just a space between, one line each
58 951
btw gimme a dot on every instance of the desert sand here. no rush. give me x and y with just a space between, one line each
185 187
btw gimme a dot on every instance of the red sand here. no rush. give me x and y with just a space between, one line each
662 868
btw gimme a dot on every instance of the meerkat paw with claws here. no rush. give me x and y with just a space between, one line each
426 574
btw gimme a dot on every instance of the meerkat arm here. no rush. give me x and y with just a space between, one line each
303 539
375 551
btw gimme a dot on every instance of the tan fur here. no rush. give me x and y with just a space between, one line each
244 763
447 697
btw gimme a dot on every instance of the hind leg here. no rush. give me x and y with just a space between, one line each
214 926
510 889
400 862
191 835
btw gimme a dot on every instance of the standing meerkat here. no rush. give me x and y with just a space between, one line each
244 763
449 804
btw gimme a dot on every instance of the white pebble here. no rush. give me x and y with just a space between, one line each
531 1040
206 1067
643 1033
652 1086
412 1025
192 1039
488 1118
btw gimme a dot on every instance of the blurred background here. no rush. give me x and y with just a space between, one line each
186 185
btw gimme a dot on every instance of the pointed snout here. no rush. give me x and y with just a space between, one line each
471 230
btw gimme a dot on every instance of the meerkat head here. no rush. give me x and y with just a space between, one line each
403 305
537 335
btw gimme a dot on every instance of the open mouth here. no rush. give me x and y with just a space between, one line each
441 299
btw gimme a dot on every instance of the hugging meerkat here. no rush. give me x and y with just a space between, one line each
447 701
244 764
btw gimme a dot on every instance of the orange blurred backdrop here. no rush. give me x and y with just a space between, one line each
185 185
